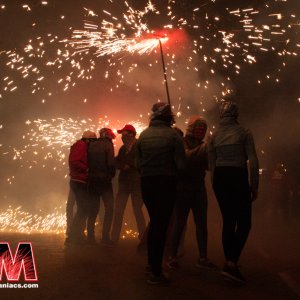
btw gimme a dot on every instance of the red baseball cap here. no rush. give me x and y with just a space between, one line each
127 127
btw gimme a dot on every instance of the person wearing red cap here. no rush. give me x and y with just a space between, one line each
102 169
129 183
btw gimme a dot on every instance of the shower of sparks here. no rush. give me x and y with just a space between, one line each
46 145
17 220
47 142
115 46
112 38
220 44
243 44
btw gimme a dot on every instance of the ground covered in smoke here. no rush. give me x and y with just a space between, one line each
270 262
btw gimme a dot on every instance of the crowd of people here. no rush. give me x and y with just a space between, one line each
164 169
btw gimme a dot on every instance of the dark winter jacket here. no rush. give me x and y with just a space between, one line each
101 159
126 157
160 150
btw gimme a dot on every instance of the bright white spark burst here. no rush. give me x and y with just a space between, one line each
47 142
112 39
214 47
16 220
50 140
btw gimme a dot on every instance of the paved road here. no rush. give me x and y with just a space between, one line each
270 262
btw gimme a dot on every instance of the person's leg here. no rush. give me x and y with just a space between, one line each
159 202
169 237
70 210
92 216
244 214
120 205
137 204
199 209
229 216
143 244
78 225
223 192
108 200
242 229
229 186
182 209
149 194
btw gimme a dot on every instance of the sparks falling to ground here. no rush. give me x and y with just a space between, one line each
207 48
16 220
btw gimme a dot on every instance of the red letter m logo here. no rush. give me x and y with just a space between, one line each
23 259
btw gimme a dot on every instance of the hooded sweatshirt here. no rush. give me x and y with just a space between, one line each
233 146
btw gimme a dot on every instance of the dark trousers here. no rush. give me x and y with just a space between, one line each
70 210
82 201
232 191
159 194
126 188
191 196
100 189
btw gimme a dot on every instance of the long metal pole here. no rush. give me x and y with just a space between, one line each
164 70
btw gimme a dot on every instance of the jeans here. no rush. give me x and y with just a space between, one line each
159 194
99 188
126 188
232 190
